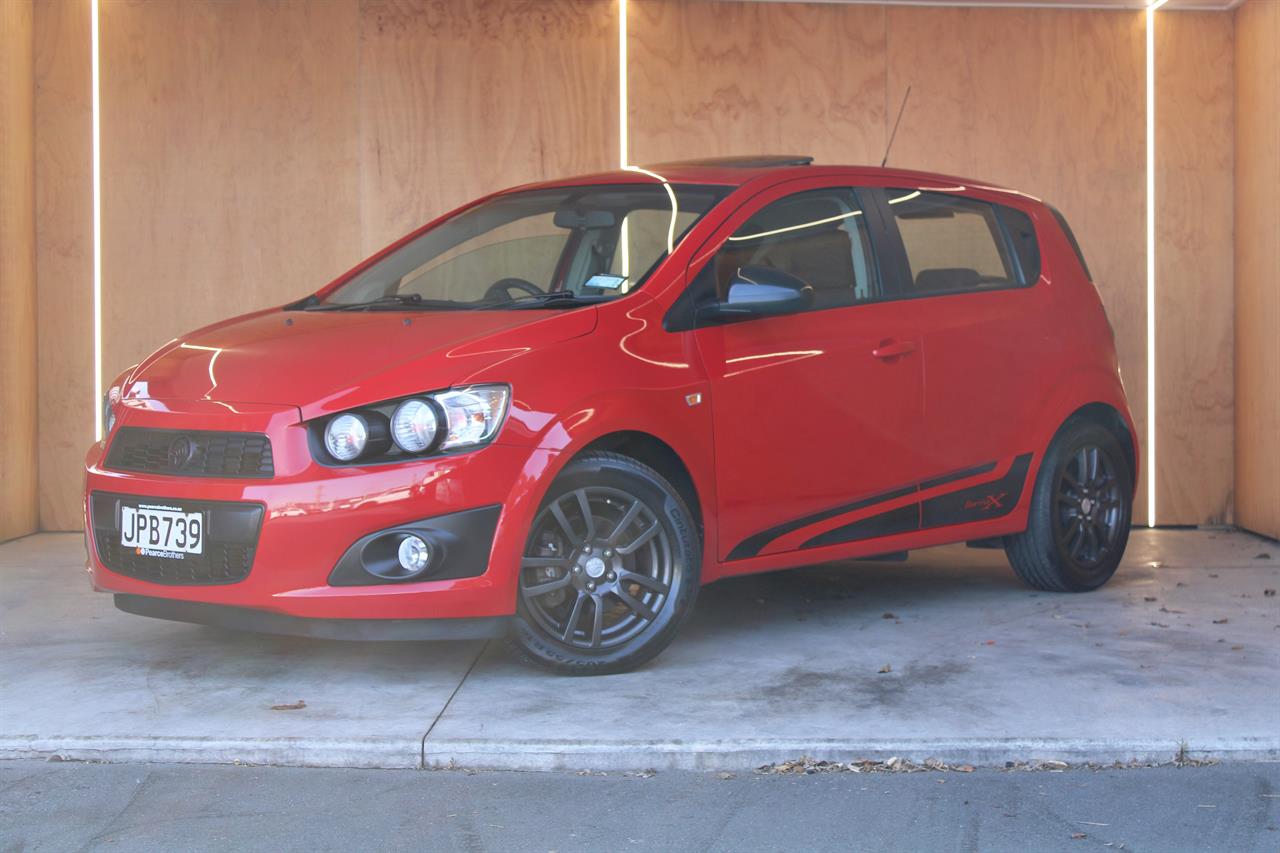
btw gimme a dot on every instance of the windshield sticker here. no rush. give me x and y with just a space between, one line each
605 282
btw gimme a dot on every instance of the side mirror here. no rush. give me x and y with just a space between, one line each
759 292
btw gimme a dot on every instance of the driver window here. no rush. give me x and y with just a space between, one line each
819 236
527 248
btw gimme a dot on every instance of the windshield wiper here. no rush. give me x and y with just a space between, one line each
556 298
394 302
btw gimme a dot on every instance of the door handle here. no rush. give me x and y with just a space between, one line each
893 349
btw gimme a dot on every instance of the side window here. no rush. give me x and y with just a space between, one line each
819 236
953 244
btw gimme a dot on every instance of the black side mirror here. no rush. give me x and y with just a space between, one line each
759 292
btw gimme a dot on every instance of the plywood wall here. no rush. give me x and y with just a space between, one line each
722 78
1257 262
17 272
229 162
461 99
253 150
1194 342
64 255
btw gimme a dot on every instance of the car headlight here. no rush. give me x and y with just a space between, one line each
415 425
455 419
109 401
346 437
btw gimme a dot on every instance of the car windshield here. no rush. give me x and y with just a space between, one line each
540 248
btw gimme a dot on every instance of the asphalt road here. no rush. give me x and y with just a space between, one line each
66 806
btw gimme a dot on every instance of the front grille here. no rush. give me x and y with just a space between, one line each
231 540
219 564
191 453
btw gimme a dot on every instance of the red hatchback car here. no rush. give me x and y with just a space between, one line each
554 413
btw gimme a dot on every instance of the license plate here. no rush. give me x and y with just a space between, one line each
161 531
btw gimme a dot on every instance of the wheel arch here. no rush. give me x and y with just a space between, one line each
650 450
1110 418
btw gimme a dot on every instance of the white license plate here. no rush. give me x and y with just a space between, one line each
161 531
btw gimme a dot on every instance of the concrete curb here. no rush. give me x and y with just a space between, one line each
409 753
370 753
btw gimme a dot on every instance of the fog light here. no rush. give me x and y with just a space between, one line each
414 554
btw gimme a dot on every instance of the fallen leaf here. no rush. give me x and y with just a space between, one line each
989 643
1236 648
886 668
296 706
1221 621
1149 598
1078 835
1212 575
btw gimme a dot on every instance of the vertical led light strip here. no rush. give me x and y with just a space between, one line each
622 83
1151 260
97 228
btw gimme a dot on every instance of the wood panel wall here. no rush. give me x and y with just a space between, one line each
461 99
64 255
17 272
1195 391
1257 262
253 150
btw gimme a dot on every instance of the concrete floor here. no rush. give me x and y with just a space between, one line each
1182 647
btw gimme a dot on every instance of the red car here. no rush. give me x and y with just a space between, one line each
554 413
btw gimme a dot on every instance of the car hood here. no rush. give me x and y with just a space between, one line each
328 360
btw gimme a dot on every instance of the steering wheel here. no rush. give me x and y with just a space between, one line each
504 286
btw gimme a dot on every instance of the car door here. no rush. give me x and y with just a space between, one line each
816 415
967 269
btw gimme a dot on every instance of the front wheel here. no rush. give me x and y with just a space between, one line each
1081 509
610 570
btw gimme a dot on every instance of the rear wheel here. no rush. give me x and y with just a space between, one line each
610 570
1080 513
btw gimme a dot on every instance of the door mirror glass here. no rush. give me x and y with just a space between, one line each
756 291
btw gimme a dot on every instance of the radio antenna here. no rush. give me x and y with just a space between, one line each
894 135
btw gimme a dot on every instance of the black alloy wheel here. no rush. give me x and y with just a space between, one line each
1081 508
609 571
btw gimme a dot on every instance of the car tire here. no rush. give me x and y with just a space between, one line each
1081 508
610 570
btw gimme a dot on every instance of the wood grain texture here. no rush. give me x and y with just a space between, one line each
722 78
1194 323
64 255
18 456
229 161
461 99
1257 259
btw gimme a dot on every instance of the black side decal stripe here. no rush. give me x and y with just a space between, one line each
753 544
980 502
892 521
986 468
904 519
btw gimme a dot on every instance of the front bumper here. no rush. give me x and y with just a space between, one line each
265 622
313 514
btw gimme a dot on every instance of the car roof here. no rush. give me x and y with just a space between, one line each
736 171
